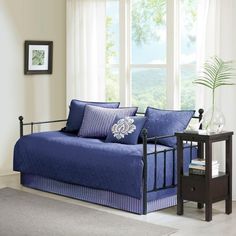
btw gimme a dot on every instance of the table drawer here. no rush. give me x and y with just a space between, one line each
193 189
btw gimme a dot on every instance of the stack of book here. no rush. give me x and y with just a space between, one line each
198 167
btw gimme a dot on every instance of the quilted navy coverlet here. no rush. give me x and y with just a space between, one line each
93 163
83 161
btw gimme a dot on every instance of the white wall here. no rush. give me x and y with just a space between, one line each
228 52
36 97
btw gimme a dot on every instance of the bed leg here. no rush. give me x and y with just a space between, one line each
144 133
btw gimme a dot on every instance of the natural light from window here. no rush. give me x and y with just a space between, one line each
188 34
146 47
112 51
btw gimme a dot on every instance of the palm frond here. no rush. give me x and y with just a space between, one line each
216 73
218 85
203 83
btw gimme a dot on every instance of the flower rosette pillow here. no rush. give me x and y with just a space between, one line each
123 127
126 130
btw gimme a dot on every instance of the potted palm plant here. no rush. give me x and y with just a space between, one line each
214 74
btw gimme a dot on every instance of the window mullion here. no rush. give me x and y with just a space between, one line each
128 72
124 52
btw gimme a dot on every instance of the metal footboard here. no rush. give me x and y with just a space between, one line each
154 140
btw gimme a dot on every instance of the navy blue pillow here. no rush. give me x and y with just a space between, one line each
98 120
166 122
76 113
126 130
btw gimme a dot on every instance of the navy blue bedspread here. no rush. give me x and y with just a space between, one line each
88 162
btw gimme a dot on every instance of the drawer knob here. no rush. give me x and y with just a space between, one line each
192 189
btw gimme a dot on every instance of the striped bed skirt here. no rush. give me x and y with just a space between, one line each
101 197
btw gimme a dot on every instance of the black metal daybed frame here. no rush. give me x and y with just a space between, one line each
145 154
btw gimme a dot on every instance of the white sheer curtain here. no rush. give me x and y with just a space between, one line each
86 21
207 43
217 36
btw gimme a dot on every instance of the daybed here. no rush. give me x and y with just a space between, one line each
138 178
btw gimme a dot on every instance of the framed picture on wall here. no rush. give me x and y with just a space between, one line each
38 57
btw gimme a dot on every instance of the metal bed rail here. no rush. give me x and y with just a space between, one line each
165 151
31 124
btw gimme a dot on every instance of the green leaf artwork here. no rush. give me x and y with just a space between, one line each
38 57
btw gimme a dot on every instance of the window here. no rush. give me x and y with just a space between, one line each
150 53
188 33
112 51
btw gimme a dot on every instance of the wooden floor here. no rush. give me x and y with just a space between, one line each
190 224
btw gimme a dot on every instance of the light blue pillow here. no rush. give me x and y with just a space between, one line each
98 120
166 122
126 130
76 114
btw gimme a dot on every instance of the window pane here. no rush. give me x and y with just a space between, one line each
112 84
188 32
149 88
112 32
188 72
148 29
112 50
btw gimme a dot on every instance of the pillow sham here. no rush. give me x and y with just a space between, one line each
76 113
98 120
166 122
126 130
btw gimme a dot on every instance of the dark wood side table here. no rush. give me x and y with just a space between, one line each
204 189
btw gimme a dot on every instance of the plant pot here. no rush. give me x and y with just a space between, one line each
213 120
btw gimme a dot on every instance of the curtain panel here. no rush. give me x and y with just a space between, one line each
217 37
86 22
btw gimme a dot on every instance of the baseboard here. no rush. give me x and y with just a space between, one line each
8 172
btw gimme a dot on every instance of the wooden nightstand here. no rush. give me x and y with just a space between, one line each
203 188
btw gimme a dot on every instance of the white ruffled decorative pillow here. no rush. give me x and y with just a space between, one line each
126 130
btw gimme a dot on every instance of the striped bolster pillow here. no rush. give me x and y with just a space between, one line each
97 121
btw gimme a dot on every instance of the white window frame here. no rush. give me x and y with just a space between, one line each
173 81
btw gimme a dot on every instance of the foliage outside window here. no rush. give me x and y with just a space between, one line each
148 52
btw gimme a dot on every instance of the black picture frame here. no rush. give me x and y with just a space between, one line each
38 57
